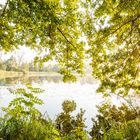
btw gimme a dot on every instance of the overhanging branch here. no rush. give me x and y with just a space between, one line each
65 37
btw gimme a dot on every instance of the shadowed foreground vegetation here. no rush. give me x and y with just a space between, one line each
22 121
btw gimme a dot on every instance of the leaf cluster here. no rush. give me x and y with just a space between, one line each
71 127
23 105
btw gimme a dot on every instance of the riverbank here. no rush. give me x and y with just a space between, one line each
6 74
10 74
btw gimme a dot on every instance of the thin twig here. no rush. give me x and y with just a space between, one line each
128 101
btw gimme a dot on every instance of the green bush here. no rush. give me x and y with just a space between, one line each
112 123
71 127
23 121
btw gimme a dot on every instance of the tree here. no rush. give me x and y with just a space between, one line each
45 25
25 67
111 28
20 61
11 64
114 44
2 65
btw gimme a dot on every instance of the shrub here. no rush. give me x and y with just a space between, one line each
23 121
71 127
114 123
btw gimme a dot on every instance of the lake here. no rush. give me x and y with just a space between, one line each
83 92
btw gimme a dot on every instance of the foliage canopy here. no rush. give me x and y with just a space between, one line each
114 44
111 29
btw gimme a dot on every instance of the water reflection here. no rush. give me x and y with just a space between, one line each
30 80
82 92
84 95
39 79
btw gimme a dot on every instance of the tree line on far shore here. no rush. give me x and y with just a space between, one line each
12 64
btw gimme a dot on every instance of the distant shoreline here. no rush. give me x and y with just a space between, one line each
10 74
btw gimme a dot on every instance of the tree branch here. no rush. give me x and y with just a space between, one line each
65 37
111 33
5 8
102 38
133 20
128 101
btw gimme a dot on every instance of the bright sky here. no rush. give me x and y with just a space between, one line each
26 53
2 1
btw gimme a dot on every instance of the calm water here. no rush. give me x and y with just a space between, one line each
82 92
